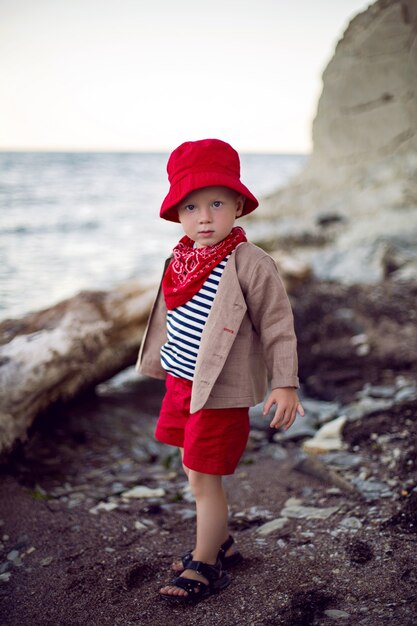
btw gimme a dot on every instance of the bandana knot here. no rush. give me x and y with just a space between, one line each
190 266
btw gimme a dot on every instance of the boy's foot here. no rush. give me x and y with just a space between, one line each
197 582
173 590
228 556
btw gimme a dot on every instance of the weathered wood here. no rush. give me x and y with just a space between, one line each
53 355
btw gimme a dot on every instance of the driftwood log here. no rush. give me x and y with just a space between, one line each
55 354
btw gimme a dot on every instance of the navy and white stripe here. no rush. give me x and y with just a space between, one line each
185 326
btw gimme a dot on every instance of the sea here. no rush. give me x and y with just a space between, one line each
76 221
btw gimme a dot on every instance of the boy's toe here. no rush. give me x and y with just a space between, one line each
170 590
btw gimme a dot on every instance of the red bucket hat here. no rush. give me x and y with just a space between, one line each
204 163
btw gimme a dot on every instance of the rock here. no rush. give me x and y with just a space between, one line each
301 428
274 451
372 489
406 394
351 523
257 419
336 614
366 406
294 509
351 213
321 411
143 492
272 526
253 514
53 355
327 438
343 460
103 506
378 391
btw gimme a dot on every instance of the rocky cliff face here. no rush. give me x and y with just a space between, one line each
352 211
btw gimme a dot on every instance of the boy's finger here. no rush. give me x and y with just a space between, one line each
267 406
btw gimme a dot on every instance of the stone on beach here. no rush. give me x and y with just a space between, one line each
327 438
142 491
295 509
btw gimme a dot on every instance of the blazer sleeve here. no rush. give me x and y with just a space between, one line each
270 311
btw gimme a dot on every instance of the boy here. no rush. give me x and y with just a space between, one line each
220 327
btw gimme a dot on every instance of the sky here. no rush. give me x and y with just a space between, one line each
146 75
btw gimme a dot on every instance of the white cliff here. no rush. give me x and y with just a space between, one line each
352 211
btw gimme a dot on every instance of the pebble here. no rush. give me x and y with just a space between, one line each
144 492
327 438
406 394
5 577
186 514
372 489
336 614
365 406
294 509
301 428
13 556
103 506
320 410
275 451
344 460
254 514
352 523
272 526
377 391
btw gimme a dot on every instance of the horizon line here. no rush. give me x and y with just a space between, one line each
63 150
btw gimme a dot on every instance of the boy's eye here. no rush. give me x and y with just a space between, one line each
189 207
217 204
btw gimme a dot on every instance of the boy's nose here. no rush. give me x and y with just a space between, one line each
204 215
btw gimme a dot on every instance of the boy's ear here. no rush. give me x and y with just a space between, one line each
240 203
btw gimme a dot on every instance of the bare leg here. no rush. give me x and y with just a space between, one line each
177 566
212 530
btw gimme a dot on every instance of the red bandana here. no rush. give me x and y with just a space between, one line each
190 266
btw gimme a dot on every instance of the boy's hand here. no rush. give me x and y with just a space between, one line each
287 406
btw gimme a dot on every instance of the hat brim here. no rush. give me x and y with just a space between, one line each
198 180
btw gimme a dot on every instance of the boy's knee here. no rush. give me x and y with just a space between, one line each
202 484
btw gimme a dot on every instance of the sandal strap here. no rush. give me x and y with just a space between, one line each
211 572
187 558
225 546
189 585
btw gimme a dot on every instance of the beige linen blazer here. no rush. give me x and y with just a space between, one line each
248 337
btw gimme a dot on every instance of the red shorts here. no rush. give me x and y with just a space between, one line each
213 439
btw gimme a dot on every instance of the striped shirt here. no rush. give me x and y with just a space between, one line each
185 326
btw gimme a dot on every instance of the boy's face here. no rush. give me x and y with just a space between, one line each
208 214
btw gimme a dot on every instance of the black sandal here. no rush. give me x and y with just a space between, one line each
226 561
196 589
